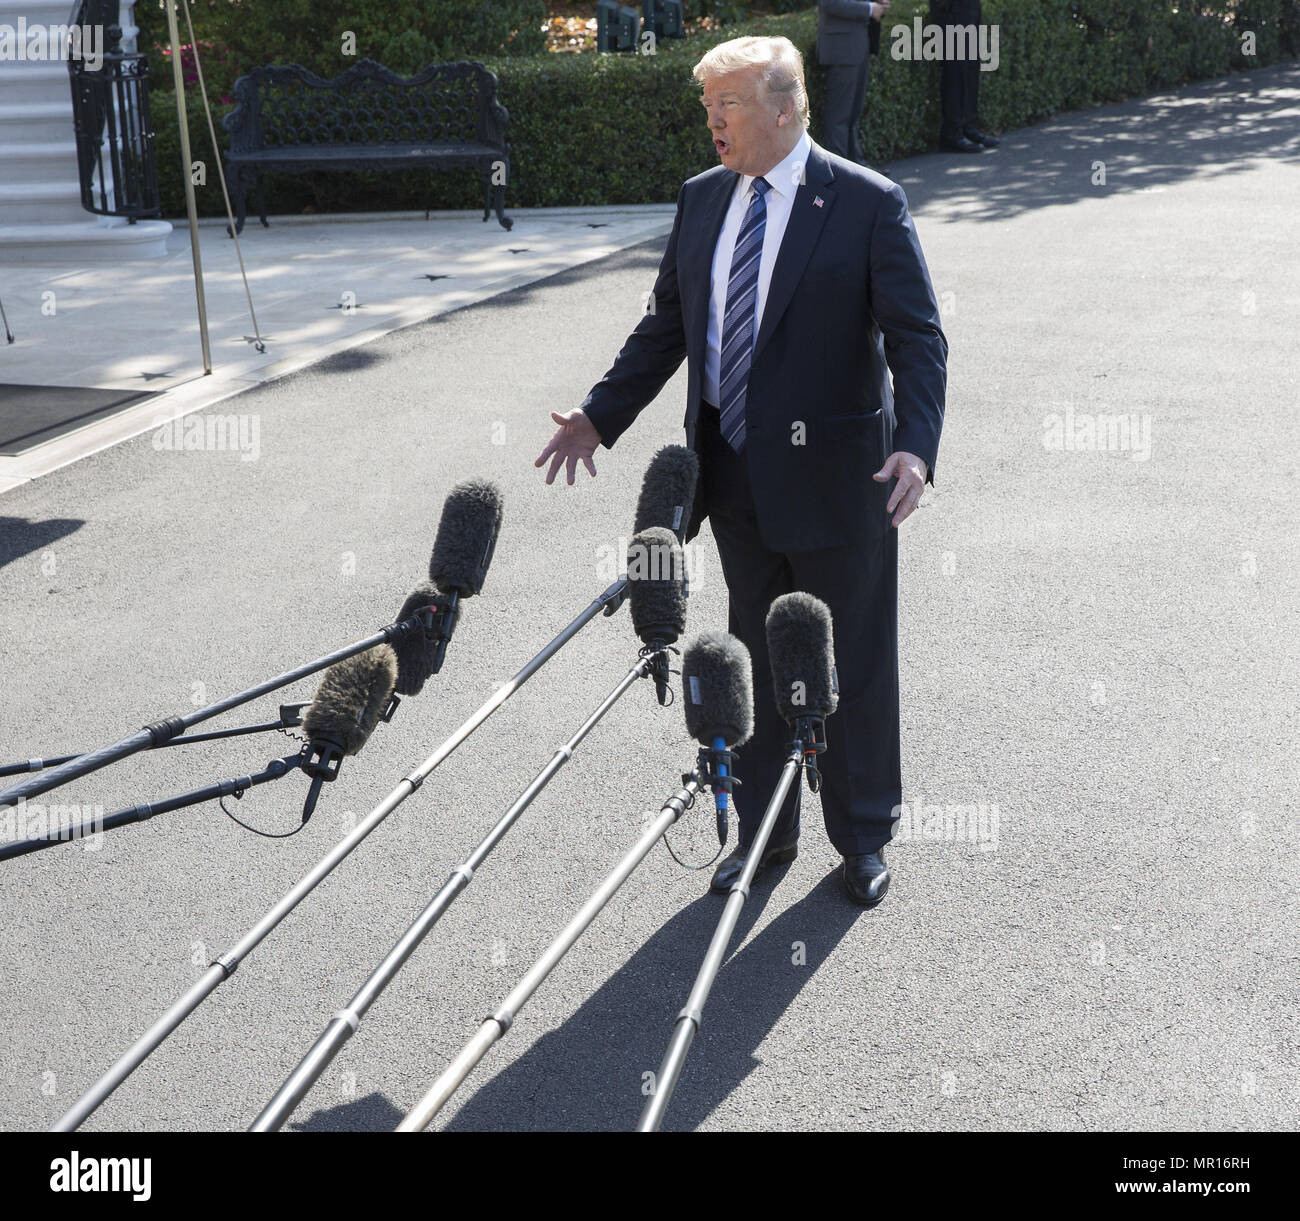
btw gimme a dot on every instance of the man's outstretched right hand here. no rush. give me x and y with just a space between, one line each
575 438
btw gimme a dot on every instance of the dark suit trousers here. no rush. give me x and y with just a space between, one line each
846 93
862 778
959 80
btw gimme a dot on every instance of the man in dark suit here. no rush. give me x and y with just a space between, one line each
793 285
848 34
959 82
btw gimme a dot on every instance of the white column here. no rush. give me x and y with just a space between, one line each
130 30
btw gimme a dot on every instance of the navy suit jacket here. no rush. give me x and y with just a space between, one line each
850 302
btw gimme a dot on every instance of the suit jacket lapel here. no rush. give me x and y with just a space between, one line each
802 231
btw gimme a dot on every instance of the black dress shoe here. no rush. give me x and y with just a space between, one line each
866 877
961 145
978 137
729 868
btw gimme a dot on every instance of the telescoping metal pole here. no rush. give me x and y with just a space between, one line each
224 966
495 1027
290 716
344 1023
276 769
160 733
191 209
688 1021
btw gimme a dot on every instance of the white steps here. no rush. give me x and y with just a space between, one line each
38 162
34 123
41 218
93 240
30 202
26 82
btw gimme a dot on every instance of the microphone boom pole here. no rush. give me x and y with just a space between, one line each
275 770
688 1021
290 716
800 644
344 1023
224 966
496 1026
161 732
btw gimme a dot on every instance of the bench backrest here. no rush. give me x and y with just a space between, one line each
286 105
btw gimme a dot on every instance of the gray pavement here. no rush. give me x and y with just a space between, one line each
1099 655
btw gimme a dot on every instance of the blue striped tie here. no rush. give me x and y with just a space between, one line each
738 321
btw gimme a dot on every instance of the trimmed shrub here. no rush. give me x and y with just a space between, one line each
627 129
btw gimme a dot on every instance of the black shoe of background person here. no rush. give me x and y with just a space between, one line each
975 136
865 877
960 145
730 867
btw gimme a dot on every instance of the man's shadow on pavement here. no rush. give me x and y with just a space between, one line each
589 1075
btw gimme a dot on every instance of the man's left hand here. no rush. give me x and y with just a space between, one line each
910 472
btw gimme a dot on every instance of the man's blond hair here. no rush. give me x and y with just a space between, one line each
778 57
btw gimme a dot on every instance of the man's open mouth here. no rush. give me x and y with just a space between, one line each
720 144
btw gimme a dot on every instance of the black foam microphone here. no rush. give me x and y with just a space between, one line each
802 650
654 588
668 490
467 537
718 685
462 554
417 647
353 697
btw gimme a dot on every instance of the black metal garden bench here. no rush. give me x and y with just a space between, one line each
288 120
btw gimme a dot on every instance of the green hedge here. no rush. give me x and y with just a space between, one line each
624 129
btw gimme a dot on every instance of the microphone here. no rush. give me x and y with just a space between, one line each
717 681
467 537
666 499
417 647
353 697
668 490
654 588
801 647
462 553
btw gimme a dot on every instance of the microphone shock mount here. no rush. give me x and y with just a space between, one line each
322 757
656 653
810 732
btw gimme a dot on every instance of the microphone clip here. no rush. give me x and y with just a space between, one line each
810 736
321 760
656 654
707 765
613 597
715 766
437 622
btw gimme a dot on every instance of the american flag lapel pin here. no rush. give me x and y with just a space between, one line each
817 201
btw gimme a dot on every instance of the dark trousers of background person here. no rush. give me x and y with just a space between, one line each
862 775
959 80
846 94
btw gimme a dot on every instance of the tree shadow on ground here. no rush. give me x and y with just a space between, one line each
20 537
1214 127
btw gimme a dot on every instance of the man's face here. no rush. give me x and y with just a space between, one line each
749 132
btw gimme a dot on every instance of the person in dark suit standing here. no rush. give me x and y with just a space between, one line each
959 82
848 34
793 285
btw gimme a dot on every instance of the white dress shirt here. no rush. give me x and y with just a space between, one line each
784 179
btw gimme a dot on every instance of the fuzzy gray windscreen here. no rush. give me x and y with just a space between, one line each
802 649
